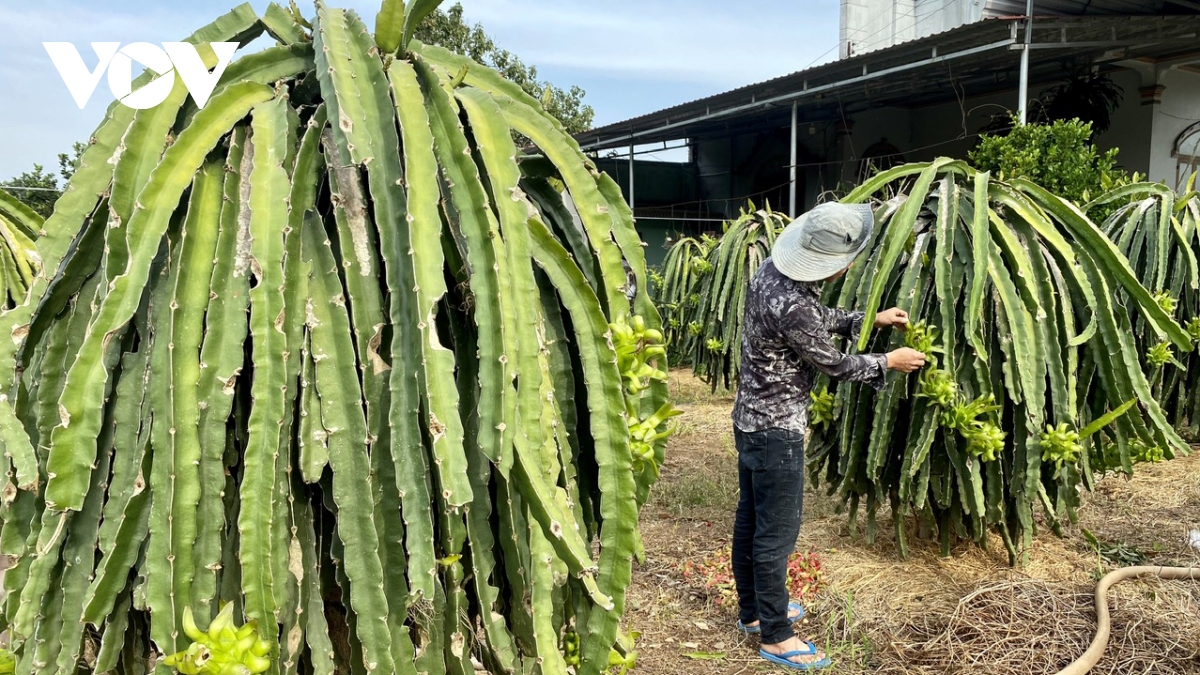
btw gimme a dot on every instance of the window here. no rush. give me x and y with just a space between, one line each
879 157
1186 152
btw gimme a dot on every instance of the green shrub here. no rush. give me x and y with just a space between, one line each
1058 156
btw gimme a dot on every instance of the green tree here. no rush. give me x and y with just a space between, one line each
39 189
1058 156
68 163
1085 96
450 30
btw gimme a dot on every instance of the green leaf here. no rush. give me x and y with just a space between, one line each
1107 418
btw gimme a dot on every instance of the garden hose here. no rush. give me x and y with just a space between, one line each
1091 657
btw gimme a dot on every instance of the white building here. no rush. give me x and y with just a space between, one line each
868 25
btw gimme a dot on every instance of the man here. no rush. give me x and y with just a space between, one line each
786 342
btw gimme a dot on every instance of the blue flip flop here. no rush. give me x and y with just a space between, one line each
784 659
755 630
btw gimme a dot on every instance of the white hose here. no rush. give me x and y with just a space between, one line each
1095 651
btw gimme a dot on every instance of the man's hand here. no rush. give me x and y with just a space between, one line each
905 360
894 318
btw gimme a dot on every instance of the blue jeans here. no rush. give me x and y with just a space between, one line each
771 498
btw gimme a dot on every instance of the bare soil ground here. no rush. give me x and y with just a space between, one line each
969 613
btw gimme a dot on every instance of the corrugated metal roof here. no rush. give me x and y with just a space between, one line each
912 73
971 34
1010 8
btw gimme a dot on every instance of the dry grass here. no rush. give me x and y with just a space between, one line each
970 612
1036 626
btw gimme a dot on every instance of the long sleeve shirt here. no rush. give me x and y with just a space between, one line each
786 341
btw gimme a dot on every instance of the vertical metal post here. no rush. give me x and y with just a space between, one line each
1023 91
631 176
792 166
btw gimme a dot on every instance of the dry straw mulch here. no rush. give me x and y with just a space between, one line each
969 613
1031 626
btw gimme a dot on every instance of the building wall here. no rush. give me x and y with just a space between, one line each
755 167
1130 127
655 183
867 25
1180 108
714 167
949 130
891 126
1143 133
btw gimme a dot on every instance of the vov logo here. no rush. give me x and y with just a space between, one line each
173 57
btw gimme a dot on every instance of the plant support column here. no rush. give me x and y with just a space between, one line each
1023 91
792 165
631 175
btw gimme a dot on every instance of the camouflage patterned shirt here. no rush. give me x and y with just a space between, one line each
786 340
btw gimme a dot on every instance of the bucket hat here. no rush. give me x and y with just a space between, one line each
823 241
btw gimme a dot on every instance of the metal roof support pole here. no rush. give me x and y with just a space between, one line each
631 176
792 165
1024 88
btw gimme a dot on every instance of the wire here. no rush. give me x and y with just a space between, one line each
31 189
960 95
890 25
726 199
845 125
682 219
962 137
814 61
1181 119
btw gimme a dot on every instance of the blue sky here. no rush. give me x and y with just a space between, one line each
631 56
